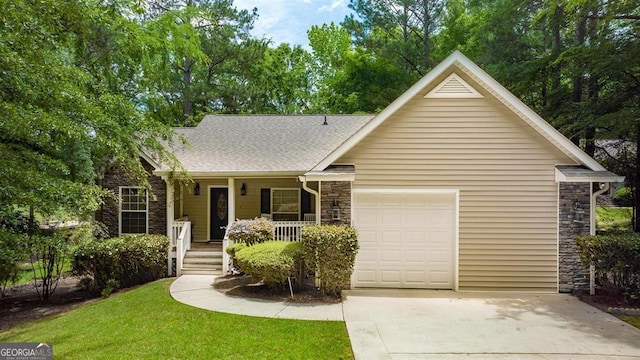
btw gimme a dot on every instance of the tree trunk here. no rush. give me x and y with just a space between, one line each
425 32
636 183
578 80
556 47
187 111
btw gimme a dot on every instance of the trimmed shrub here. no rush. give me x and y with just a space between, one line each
623 197
272 262
252 231
616 258
330 251
126 260
232 250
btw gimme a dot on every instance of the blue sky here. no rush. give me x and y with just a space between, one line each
288 20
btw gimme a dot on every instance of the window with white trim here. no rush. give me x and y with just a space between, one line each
134 210
285 204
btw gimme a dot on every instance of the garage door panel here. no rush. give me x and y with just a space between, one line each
367 255
390 276
366 277
410 243
414 277
390 255
390 238
415 256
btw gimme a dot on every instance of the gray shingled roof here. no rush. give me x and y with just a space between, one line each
263 143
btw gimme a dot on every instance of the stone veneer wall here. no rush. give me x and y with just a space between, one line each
157 201
573 275
335 190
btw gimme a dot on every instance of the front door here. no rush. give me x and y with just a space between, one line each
218 212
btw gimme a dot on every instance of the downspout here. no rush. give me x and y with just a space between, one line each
592 231
316 196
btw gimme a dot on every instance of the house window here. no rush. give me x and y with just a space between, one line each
285 204
134 210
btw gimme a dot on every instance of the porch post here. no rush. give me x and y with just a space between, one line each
231 208
318 202
170 215
232 200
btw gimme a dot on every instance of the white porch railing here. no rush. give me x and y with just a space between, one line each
290 230
181 239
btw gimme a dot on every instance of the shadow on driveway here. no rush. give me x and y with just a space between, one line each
418 324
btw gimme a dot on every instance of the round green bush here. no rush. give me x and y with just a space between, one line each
272 261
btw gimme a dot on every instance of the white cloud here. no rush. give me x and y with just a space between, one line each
287 21
336 4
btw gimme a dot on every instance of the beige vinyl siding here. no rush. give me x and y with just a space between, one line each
247 207
195 207
503 169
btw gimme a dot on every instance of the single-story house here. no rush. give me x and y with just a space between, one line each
457 184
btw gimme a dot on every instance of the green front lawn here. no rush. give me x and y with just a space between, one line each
614 218
146 323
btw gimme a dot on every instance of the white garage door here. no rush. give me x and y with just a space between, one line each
407 240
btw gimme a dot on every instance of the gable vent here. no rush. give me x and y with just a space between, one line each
453 87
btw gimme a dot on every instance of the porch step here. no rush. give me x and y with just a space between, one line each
203 259
190 271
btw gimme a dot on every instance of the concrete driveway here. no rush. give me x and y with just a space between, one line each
400 324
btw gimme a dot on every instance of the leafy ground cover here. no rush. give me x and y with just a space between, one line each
613 218
147 323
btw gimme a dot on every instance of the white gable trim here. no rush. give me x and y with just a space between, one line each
485 80
150 160
453 87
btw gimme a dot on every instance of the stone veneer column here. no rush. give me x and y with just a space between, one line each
573 276
335 190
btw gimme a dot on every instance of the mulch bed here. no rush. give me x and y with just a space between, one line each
22 304
611 301
244 286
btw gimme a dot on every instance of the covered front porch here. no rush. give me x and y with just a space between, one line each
199 213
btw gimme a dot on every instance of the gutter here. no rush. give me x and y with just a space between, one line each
316 195
592 231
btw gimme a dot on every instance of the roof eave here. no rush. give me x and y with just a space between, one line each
234 174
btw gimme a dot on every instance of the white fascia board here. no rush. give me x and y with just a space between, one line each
328 177
236 174
490 84
560 177
149 159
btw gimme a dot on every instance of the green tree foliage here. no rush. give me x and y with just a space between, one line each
203 61
282 81
400 30
66 113
351 80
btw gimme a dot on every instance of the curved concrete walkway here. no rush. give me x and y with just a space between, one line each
428 324
196 290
